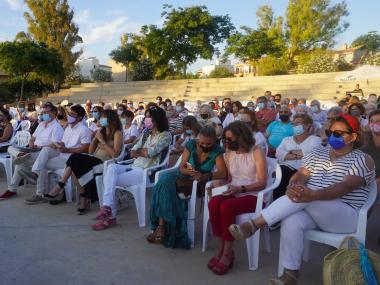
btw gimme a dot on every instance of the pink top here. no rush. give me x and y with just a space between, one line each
241 168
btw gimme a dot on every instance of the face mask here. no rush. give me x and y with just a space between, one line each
261 106
235 109
232 145
158 102
314 109
119 112
336 142
162 107
374 127
298 130
204 116
103 122
22 110
178 109
284 117
71 120
130 106
206 149
60 117
96 115
251 108
46 117
188 132
123 121
272 104
148 123
228 109
355 113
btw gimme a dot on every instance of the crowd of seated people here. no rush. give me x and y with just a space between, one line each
328 159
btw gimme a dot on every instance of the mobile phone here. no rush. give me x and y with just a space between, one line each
189 166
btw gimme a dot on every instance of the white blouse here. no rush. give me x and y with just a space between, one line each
288 144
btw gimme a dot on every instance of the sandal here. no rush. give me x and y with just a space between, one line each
104 224
87 207
214 260
237 232
288 278
104 212
60 187
156 237
221 268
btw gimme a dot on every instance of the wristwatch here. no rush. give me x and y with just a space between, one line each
243 189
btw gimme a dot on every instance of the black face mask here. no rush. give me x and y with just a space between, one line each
228 109
60 117
204 116
284 117
232 145
206 149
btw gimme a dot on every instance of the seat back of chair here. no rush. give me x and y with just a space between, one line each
22 138
25 125
138 120
363 213
89 122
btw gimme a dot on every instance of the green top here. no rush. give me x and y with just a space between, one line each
209 163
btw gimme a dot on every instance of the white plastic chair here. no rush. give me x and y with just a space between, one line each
89 122
138 120
99 176
139 191
333 239
25 125
21 138
253 242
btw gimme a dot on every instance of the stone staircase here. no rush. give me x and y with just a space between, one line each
320 86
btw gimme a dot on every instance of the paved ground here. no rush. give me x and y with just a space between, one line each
46 244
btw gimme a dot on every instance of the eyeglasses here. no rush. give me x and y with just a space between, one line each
336 134
225 140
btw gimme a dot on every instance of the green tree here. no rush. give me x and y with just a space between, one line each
221 72
22 59
369 41
316 62
313 24
251 45
271 65
142 70
192 33
51 22
127 53
100 75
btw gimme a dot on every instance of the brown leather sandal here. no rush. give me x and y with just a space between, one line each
156 236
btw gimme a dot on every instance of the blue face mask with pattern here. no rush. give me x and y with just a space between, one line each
298 130
103 122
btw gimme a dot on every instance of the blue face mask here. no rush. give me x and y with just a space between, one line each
298 130
336 142
314 109
46 117
178 109
188 132
103 122
96 115
40 118
261 106
22 110
123 121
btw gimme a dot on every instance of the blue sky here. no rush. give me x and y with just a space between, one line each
102 22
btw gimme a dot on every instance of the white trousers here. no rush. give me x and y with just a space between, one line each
48 159
332 216
27 164
117 175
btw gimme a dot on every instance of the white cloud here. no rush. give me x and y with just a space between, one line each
15 5
109 31
82 17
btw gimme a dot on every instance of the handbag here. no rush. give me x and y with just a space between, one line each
351 264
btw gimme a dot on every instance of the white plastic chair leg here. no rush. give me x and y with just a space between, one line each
69 191
8 169
306 250
253 246
139 195
280 267
99 188
205 227
191 231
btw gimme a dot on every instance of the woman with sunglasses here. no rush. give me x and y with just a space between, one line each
168 208
146 152
247 174
207 117
326 193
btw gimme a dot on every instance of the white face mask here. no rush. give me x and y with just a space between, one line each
119 112
71 120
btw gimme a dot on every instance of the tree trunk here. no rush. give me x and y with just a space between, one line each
22 89
184 69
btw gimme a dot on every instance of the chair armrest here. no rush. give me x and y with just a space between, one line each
5 144
160 173
260 197
126 162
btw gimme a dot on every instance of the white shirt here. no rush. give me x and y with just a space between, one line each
229 119
288 144
132 131
261 141
320 117
76 136
47 133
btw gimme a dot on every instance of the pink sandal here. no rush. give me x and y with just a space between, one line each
104 212
104 224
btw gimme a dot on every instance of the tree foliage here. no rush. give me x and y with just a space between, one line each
313 24
21 59
100 75
271 65
51 22
316 62
191 33
220 72
143 70
369 41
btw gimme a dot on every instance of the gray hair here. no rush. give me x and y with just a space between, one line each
336 110
208 109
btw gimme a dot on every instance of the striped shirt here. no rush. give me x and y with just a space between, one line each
324 173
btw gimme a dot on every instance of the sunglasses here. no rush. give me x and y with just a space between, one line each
226 140
336 134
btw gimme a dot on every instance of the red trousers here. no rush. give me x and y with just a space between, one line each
223 211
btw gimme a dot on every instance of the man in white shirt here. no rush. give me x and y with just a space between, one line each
76 139
49 131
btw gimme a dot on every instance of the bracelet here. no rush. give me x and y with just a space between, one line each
243 189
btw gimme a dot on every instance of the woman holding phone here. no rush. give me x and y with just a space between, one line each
169 207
